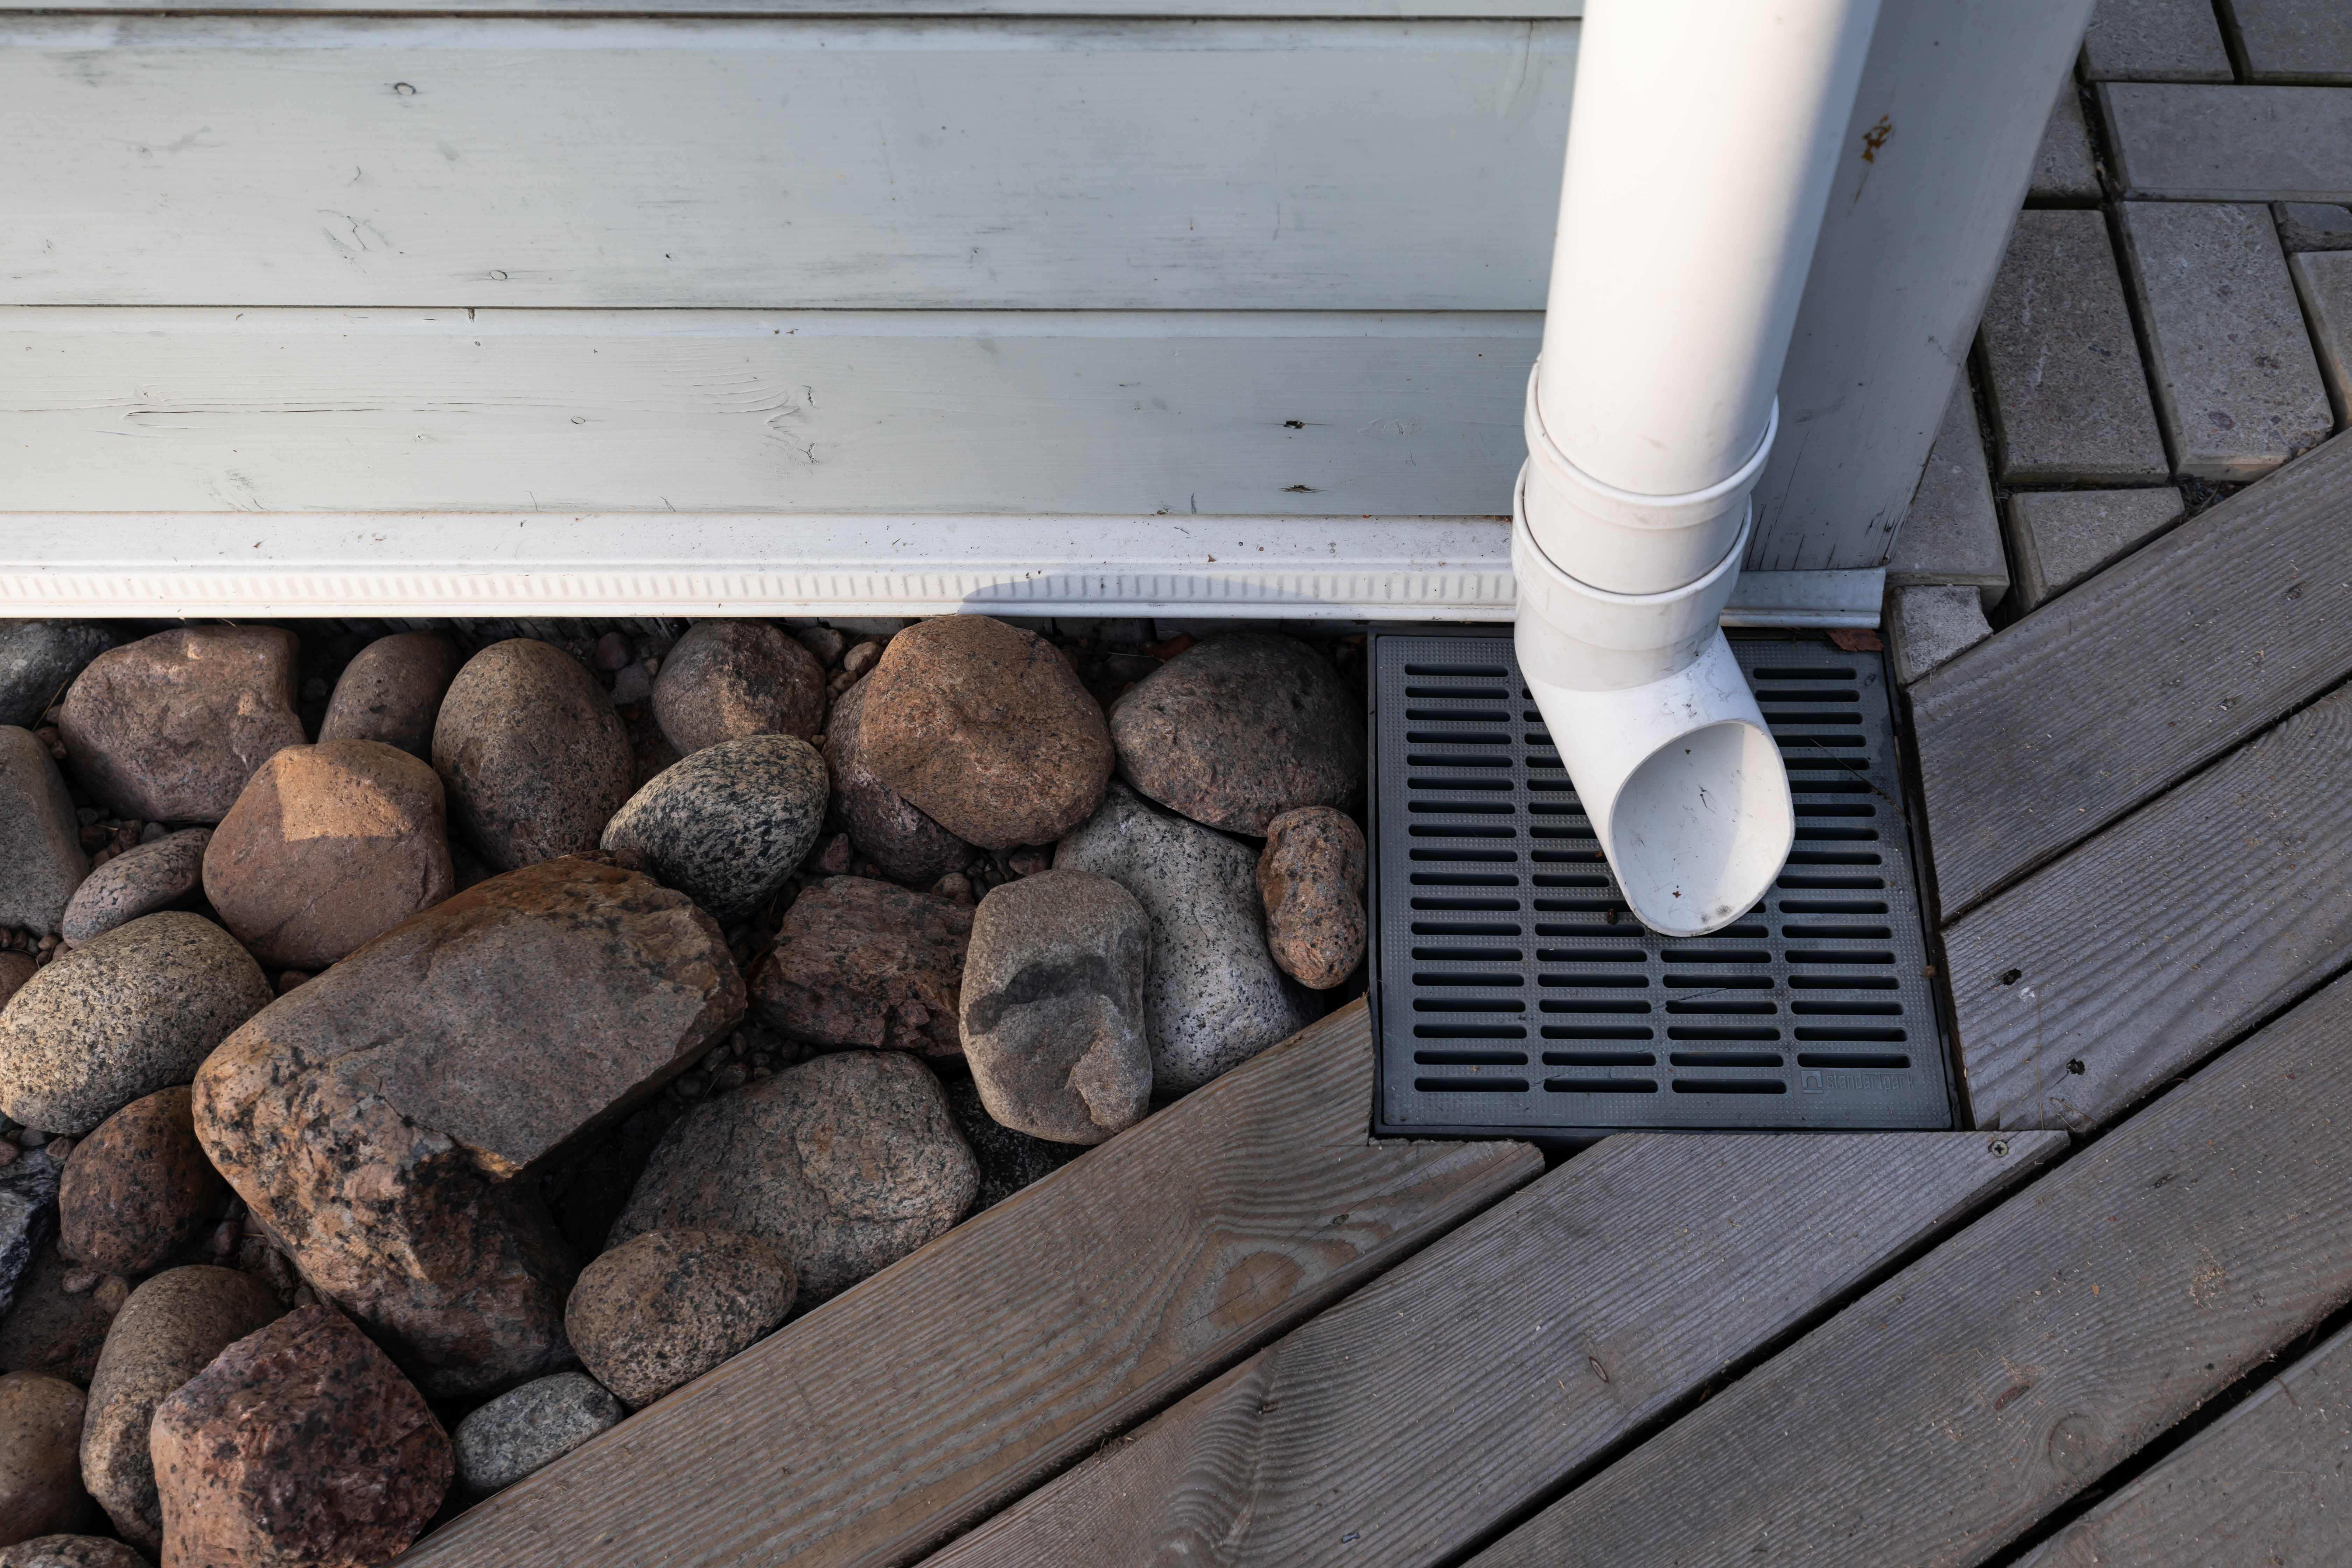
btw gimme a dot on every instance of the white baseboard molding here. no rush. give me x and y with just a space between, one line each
216 564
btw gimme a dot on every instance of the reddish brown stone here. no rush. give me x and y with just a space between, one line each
727 679
15 968
1311 879
169 728
534 758
301 1444
985 729
392 692
40 1461
138 1189
904 844
661 1309
329 846
863 963
385 1120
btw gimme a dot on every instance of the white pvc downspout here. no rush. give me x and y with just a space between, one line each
1701 142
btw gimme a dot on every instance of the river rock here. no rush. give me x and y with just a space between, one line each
904 845
666 1305
386 1120
138 1189
859 962
169 728
844 1164
726 826
40 1477
41 857
70 1551
301 1444
1215 998
48 1328
138 881
1239 729
534 758
39 659
329 846
135 1010
1310 878
985 729
531 1427
727 679
1053 1014
168 1331
392 691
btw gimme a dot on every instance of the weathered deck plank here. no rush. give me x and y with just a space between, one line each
2101 976
914 1404
1421 1412
2269 1482
1941 1416
2058 725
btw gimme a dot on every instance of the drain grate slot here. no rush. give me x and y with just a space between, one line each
1516 992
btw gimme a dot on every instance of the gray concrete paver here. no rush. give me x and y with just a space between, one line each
2064 170
1930 626
2312 226
2058 537
2155 40
2295 40
2323 280
1951 534
2168 142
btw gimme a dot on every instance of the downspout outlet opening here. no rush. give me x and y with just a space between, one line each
1700 827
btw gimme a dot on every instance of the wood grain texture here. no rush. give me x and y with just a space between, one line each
1268 413
926 165
1420 1412
932 1394
1947 1410
2093 982
2270 1483
2057 725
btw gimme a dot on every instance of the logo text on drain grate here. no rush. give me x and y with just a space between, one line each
1515 988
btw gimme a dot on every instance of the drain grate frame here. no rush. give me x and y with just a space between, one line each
1513 991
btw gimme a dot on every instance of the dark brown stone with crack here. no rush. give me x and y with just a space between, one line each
40 1469
661 1309
904 845
169 728
169 1330
392 691
728 680
533 756
139 1188
1311 879
385 1119
329 846
1239 729
862 963
986 730
301 1444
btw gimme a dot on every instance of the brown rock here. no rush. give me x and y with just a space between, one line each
138 881
1311 881
863 963
823 642
15 968
385 1120
167 1333
663 1307
845 1164
138 1189
986 730
70 1551
534 758
169 728
1239 729
392 691
301 1444
329 846
40 1476
727 679
50 1328
904 844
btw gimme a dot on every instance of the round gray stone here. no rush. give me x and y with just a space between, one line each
138 881
1215 998
726 826
39 659
661 1309
41 857
136 1010
527 1429
1053 1014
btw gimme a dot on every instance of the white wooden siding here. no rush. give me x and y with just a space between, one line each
1515 10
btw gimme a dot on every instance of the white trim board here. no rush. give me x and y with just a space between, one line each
384 564
1337 10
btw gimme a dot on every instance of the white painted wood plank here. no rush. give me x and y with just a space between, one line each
1311 414
1528 10
791 163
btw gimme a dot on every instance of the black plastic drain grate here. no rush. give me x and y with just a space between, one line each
1515 989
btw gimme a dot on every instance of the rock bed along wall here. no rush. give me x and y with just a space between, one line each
422 1045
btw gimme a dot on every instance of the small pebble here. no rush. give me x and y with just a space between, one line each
614 652
1029 862
112 1292
954 885
823 642
79 1281
290 979
153 831
60 1148
861 658
834 861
